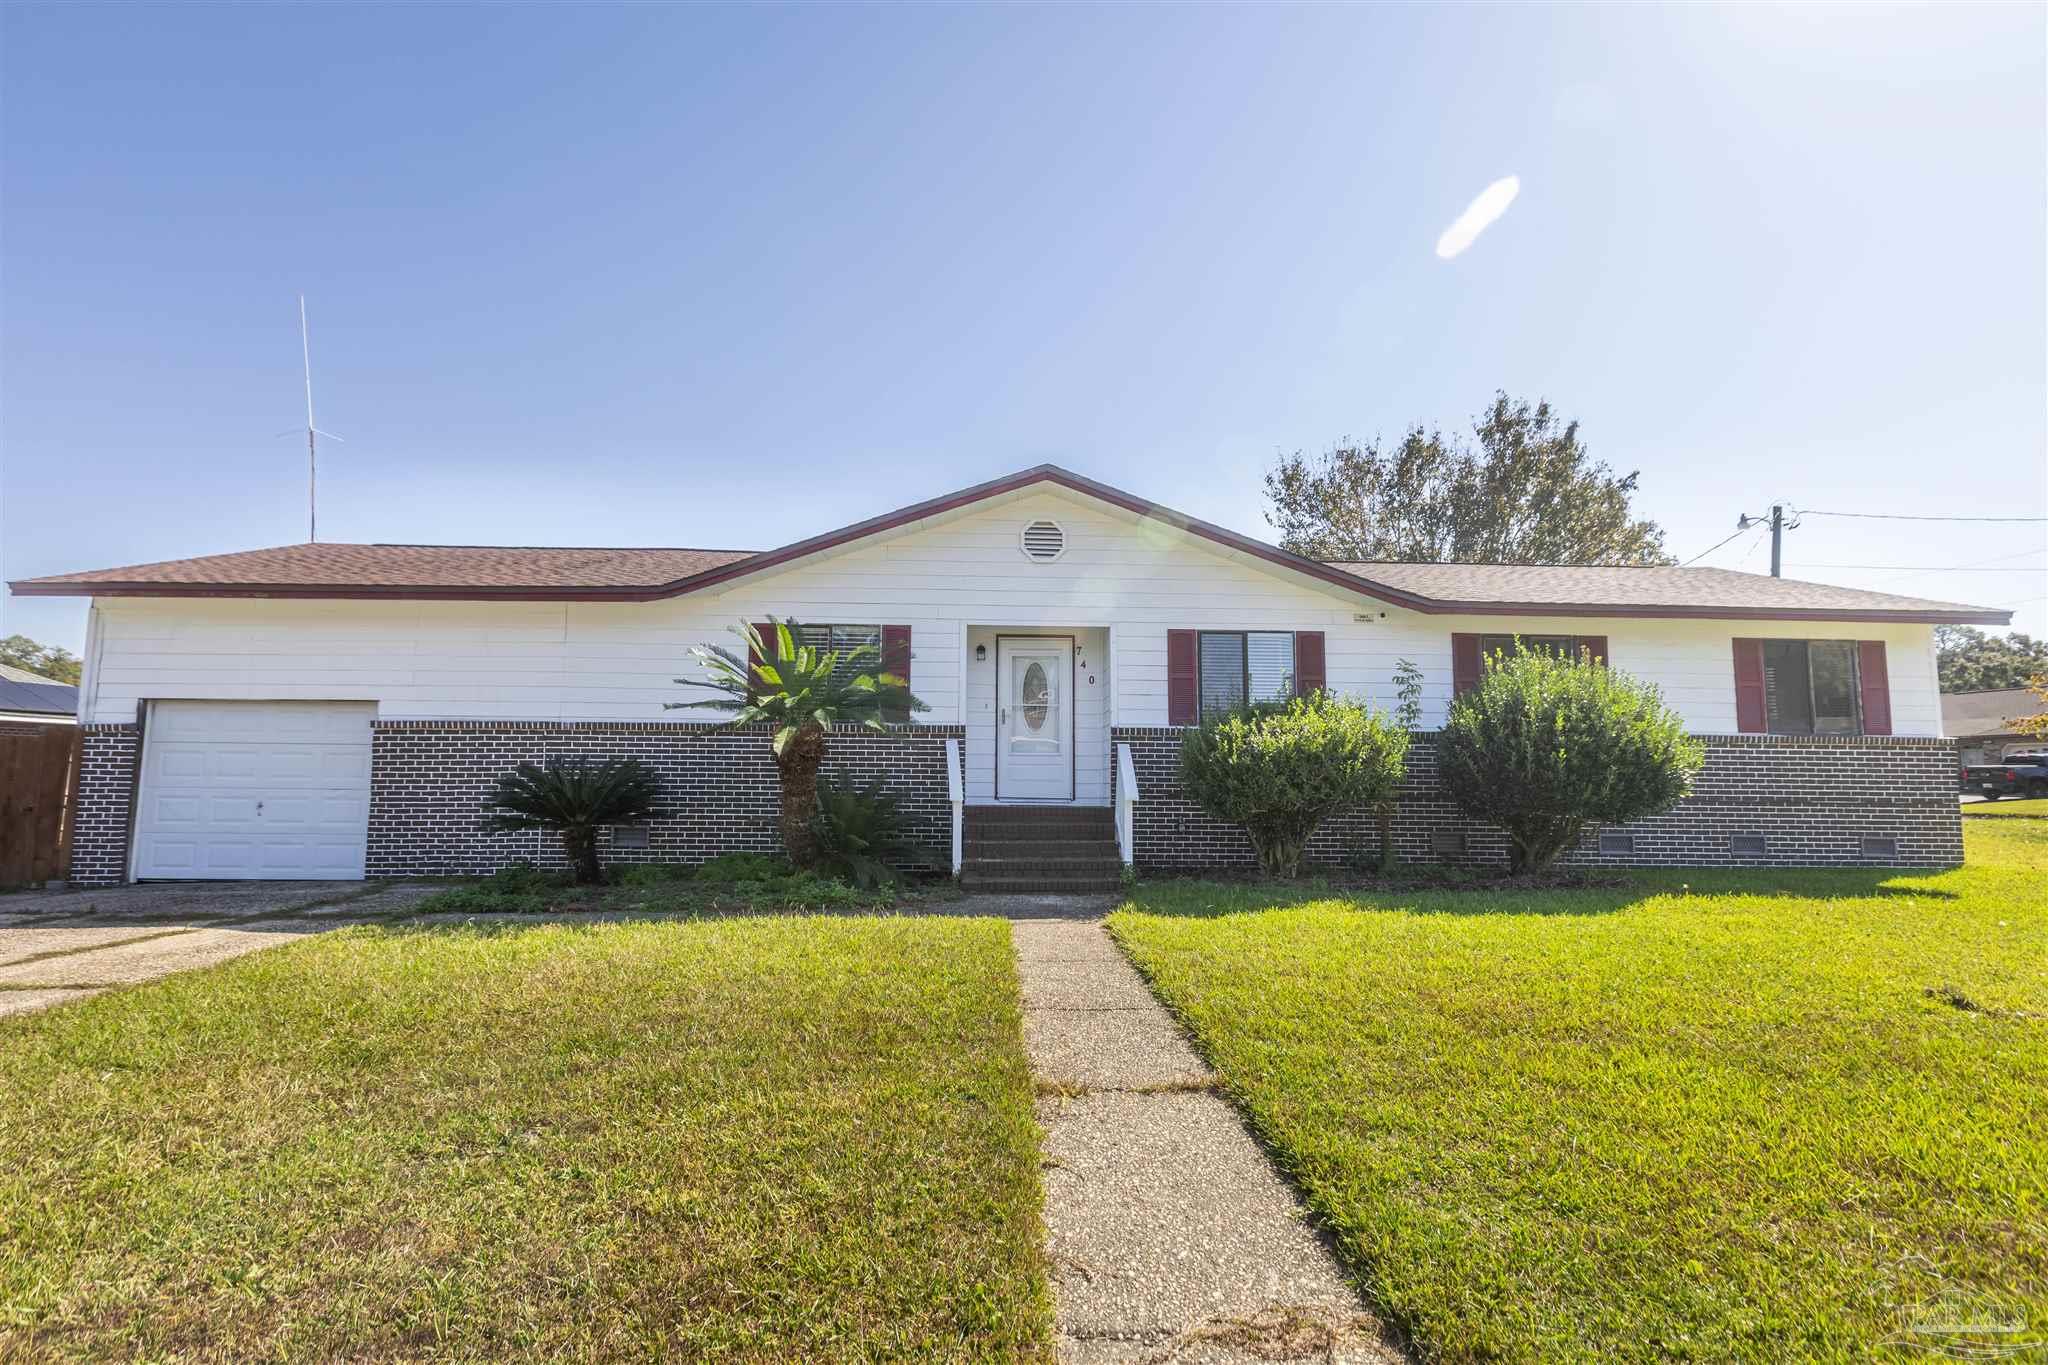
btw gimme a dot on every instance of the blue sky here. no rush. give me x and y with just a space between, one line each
729 277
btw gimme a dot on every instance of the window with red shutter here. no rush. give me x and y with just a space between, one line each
1751 715
1465 663
1310 674
1875 686
896 660
1812 687
1181 705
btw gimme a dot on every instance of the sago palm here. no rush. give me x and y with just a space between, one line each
574 797
801 692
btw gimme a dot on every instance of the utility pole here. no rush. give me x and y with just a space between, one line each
1778 529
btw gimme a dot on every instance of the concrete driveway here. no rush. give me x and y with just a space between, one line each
58 946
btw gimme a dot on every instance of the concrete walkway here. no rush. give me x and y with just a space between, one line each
61 946
1171 1236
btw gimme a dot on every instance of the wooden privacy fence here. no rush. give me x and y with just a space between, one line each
37 776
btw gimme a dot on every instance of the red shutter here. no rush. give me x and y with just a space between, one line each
1180 677
896 659
1464 663
1309 673
1595 645
1877 687
1751 718
756 657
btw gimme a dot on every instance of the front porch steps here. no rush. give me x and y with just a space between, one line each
1064 849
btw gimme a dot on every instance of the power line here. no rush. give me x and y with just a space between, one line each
1717 545
1934 568
1907 516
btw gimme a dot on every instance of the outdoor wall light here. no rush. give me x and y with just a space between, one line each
981 654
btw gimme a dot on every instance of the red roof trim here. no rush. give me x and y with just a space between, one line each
966 497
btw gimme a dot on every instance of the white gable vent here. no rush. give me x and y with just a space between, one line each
1044 541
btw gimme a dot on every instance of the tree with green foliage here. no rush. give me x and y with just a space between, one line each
575 798
1969 660
1546 745
1528 494
800 692
1280 769
54 662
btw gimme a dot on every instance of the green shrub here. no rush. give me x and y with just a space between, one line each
1545 746
651 874
575 798
1279 770
742 867
863 835
523 876
515 889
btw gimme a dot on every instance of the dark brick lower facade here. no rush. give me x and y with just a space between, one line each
1876 801
429 779
1854 801
106 804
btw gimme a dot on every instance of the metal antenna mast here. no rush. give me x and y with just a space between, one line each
312 449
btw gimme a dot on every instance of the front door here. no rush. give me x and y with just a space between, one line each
1034 719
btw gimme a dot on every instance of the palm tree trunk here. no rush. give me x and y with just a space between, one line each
798 765
581 846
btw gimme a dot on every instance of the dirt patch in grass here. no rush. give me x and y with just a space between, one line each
795 1138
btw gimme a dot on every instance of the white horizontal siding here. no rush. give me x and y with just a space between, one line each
601 661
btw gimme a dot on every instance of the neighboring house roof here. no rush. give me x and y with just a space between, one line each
23 693
1974 715
479 572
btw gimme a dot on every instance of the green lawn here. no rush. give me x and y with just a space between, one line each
2035 806
1730 1115
748 1139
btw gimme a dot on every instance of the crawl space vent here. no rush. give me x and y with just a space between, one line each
1044 541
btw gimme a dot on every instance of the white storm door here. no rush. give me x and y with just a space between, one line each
1034 720
250 790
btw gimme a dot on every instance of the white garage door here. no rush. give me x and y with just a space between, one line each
239 790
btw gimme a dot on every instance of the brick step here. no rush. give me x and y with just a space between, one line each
1041 829
1098 865
1007 845
1028 814
1017 834
1052 886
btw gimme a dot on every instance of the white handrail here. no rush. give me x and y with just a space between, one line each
957 795
1126 797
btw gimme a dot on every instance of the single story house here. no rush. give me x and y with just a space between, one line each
30 701
1981 723
329 710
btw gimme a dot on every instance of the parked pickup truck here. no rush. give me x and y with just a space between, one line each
2018 775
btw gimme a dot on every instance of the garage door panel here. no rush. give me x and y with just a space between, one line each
255 789
298 765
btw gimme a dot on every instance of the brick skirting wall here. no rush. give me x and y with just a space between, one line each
106 804
1813 801
429 779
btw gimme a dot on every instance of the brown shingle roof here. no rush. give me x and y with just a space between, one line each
481 571
1634 589
489 568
